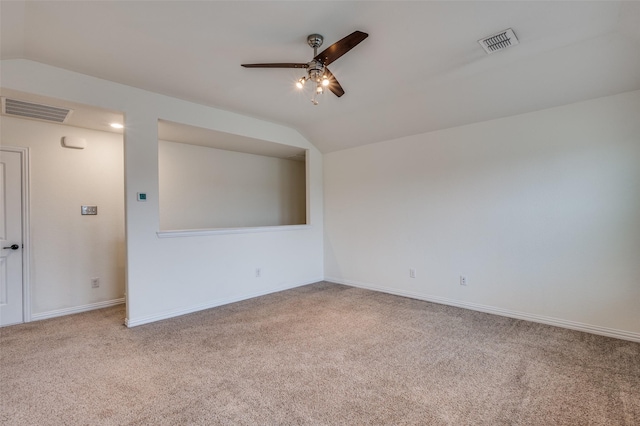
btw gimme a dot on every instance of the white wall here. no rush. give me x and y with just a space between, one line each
541 211
203 187
68 249
172 276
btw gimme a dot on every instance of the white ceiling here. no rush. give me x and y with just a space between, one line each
90 117
421 69
85 116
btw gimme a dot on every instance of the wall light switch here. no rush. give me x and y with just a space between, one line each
142 196
89 210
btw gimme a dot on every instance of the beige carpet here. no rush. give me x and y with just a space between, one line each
319 354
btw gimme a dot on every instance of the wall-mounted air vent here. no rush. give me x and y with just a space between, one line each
499 41
36 111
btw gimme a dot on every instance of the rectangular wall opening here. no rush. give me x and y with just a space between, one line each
216 180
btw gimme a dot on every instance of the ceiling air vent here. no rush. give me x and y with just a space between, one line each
37 111
499 41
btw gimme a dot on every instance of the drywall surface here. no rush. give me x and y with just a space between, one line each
541 213
172 276
203 187
68 249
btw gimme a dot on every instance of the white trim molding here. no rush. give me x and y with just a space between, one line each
133 322
25 164
573 325
77 309
224 231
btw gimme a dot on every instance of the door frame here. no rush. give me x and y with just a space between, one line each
25 161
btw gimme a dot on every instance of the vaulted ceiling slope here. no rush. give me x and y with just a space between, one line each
421 68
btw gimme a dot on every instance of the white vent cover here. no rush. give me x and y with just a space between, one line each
35 111
499 41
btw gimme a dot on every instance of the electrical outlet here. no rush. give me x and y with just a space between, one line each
258 272
463 280
412 273
95 282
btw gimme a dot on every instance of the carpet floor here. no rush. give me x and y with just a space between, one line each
322 354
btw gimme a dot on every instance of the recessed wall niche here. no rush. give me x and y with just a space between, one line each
212 180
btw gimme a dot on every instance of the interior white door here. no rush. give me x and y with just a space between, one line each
10 238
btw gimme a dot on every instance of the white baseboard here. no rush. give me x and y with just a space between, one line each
587 328
133 322
76 309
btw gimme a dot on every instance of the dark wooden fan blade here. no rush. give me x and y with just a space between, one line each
334 86
339 48
283 65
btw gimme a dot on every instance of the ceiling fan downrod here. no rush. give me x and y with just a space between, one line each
315 41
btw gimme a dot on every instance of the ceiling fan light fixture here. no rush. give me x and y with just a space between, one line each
317 70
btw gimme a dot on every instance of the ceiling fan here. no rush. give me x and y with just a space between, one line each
317 71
